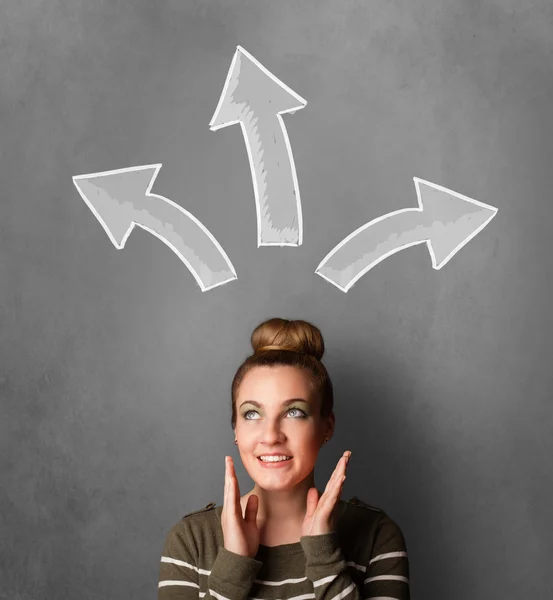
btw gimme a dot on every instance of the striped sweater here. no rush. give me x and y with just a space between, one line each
364 558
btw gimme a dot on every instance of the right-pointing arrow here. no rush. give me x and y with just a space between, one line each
445 220
121 198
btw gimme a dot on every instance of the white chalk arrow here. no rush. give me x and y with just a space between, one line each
255 98
121 199
445 221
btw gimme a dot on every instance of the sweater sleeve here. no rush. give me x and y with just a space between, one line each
231 576
386 574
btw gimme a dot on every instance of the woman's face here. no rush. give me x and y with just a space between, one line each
285 420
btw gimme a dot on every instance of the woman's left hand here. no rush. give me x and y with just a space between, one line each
320 513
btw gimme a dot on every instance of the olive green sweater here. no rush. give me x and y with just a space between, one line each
364 558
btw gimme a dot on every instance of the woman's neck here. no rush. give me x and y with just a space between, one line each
281 506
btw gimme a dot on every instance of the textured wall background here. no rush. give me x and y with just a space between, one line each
115 368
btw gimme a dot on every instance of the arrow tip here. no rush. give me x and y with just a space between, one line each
110 196
252 88
453 219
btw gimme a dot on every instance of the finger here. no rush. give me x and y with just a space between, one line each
348 456
227 486
343 471
229 492
343 464
236 488
334 488
334 485
336 474
224 511
337 471
329 486
251 509
232 499
327 497
328 504
312 501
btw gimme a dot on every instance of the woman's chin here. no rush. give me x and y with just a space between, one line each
276 486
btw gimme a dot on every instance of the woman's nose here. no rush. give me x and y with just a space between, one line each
272 434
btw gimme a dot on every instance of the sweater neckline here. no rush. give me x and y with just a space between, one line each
284 549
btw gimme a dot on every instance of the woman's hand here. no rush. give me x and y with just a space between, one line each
241 535
320 516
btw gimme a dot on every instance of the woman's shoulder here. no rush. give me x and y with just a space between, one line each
368 522
370 517
189 524
355 501
194 529
361 516
210 506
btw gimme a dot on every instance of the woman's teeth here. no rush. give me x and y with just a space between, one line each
273 459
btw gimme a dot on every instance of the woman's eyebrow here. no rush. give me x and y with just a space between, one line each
285 403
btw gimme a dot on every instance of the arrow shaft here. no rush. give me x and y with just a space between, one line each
273 175
371 244
185 235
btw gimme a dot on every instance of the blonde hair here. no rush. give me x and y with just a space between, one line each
284 342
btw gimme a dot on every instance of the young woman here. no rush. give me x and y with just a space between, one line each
284 539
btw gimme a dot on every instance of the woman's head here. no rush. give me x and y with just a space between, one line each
282 401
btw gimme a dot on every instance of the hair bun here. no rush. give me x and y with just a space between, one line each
288 335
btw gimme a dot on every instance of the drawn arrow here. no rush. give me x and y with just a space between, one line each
255 98
121 199
445 220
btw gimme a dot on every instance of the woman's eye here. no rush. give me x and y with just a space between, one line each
303 414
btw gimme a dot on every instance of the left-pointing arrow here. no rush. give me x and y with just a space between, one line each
255 98
121 199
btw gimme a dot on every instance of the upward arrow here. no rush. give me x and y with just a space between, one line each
121 199
255 98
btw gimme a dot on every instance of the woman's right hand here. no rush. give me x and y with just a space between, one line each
240 534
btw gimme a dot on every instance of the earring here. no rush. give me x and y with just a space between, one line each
236 441
326 440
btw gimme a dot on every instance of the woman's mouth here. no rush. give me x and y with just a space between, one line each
272 464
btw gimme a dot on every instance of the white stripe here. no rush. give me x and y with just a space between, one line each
344 593
181 563
387 577
218 596
312 596
324 580
351 563
175 561
387 555
167 582
302 597
319 582
282 582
